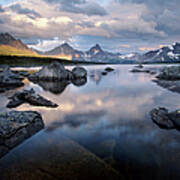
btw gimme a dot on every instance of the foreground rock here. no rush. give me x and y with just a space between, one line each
29 96
9 80
17 126
165 119
170 73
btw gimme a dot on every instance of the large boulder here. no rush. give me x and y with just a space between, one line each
29 96
16 126
52 72
79 72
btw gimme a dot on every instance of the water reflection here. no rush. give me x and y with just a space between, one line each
109 116
53 87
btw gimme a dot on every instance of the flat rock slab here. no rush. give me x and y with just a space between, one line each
16 126
165 119
29 96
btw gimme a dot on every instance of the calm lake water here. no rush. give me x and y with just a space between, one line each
109 117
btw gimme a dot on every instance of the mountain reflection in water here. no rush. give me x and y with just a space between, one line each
109 116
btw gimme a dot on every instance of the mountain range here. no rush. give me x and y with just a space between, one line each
11 46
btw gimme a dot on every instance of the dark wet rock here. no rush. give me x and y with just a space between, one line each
29 96
140 71
52 72
160 117
170 73
104 73
173 86
79 82
109 69
16 126
79 72
165 119
9 80
56 87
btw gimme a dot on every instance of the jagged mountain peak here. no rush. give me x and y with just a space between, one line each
165 54
65 45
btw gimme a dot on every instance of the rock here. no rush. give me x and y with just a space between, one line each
170 73
16 126
140 71
175 118
29 96
160 117
9 80
165 119
79 72
104 73
109 69
53 72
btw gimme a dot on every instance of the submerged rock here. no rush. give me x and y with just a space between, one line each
52 72
9 80
16 126
29 96
165 119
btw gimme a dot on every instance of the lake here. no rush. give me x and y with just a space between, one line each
108 117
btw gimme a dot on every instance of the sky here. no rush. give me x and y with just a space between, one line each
117 25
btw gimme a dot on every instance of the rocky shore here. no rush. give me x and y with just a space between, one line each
169 78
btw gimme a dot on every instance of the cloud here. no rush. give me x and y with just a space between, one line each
112 23
89 8
29 12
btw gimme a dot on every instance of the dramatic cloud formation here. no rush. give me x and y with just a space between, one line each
119 25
